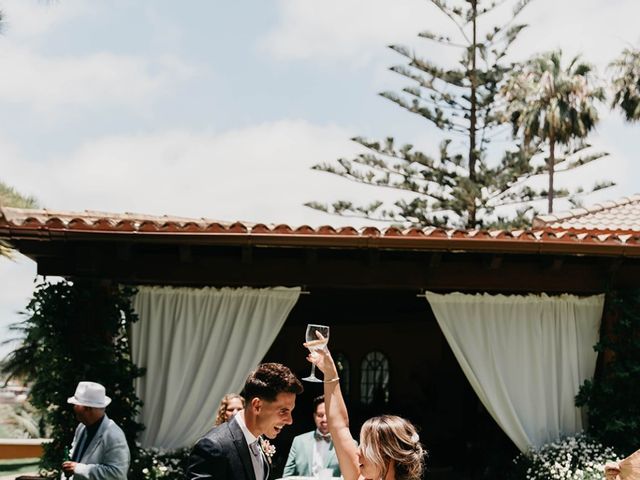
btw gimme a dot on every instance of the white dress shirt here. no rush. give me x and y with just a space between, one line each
320 452
259 464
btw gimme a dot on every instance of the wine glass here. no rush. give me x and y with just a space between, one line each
314 342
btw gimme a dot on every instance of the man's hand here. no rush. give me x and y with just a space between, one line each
69 468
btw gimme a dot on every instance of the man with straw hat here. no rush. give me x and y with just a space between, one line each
99 450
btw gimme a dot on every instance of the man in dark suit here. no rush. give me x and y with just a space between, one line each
232 450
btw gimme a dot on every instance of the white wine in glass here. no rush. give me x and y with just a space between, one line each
314 342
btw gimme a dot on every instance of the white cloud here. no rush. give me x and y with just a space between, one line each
260 173
46 81
344 29
25 19
358 30
92 82
598 30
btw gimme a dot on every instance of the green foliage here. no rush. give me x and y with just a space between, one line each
552 105
613 397
459 188
10 197
20 420
157 464
626 83
73 332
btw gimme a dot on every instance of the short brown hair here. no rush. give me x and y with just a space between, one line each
270 379
317 401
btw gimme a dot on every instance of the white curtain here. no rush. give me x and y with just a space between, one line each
525 357
197 345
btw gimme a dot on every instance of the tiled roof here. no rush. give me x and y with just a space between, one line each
622 216
21 224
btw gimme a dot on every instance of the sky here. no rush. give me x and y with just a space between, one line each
218 109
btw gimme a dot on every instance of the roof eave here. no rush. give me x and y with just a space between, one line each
524 244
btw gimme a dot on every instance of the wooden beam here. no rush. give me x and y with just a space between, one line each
247 255
185 254
124 251
350 272
556 264
311 256
495 262
435 259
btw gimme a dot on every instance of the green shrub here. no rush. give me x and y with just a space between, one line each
613 397
76 331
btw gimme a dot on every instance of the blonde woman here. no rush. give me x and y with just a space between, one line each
389 448
231 404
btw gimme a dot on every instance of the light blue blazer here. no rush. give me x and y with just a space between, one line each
107 456
300 457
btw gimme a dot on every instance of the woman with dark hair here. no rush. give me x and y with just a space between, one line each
230 404
389 448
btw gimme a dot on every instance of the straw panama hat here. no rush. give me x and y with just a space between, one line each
90 394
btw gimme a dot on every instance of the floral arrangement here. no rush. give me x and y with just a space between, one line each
572 458
157 464
268 449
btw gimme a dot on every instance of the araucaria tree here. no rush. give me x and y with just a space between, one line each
460 188
626 84
550 105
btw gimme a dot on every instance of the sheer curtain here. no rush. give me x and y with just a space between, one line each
525 357
197 345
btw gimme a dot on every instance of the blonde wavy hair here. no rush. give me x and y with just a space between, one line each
221 417
390 438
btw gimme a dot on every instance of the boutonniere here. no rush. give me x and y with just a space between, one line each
267 449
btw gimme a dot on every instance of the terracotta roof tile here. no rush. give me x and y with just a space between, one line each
304 230
122 225
347 231
393 232
327 230
414 232
215 227
238 227
621 216
25 223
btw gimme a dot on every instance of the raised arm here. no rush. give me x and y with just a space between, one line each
337 416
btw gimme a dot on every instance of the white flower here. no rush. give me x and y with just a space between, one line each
573 458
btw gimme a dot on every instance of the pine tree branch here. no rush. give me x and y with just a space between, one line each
405 186
441 39
416 94
450 13
435 116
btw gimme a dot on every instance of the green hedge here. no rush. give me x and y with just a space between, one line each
77 331
613 397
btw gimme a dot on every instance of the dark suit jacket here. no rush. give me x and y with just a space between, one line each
222 454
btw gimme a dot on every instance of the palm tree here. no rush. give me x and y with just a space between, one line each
552 105
9 197
626 83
